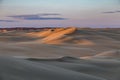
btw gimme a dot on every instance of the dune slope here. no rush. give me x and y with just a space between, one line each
19 69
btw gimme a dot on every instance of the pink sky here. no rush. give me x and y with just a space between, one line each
79 13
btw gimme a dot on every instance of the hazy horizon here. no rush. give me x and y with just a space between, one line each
57 13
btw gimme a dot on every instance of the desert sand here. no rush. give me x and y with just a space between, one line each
60 54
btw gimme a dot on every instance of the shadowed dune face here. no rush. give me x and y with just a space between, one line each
19 69
65 68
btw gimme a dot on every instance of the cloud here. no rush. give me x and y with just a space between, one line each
118 11
45 16
111 12
7 21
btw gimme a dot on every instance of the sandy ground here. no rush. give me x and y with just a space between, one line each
60 54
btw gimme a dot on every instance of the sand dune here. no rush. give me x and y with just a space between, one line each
113 54
39 34
44 33
55 37
18 69
66 68
58 69
64 36
56 40
80 42
84 42
60 54
60 36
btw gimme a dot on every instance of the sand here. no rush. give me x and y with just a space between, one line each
66 68
59 36
60 54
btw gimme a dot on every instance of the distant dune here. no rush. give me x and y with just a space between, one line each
59 36
44 33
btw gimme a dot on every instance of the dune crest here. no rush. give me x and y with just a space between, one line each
114 54
84 42
44 33
3 31
59 36
39 34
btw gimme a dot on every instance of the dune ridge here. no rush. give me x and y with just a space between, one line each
113 54
58 35
44 33
65 68
80 54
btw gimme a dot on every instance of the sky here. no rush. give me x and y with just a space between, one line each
60 13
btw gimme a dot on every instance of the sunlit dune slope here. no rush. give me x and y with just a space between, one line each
60 40
84 42
44 33
113 54
59 36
